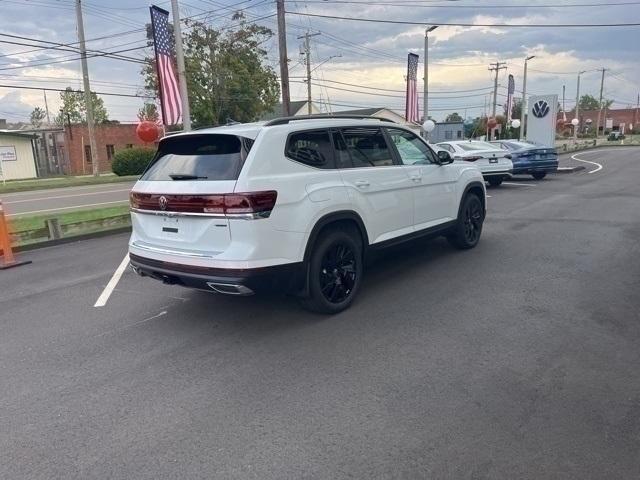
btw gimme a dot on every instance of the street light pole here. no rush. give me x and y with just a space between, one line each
425 91
182 76
577 117
523 104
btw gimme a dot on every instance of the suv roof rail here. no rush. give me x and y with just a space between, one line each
286 120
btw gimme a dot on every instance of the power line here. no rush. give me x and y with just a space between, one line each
409 3
77 91
462 24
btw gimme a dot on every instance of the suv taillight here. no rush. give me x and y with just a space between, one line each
246 205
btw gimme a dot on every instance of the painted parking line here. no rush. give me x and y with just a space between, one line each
520 184
598 166
75 207
115 278
67 196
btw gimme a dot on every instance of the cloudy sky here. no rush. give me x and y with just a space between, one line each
369 58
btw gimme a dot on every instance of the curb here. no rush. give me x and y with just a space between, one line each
571 169
75 238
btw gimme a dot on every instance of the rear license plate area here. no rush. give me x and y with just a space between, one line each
493 160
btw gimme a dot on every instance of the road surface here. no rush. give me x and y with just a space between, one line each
64 199
517 359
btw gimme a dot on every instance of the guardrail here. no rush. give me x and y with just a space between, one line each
53 230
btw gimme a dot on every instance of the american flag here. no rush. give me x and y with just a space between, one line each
510 91
411 112
170 99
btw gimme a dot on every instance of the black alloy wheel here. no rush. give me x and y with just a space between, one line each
472 222
338 272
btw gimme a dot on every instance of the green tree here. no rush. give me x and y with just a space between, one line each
149 112
37 116
227 75
73 108
453 117
516 109
589 102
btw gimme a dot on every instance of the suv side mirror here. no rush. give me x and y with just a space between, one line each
444 158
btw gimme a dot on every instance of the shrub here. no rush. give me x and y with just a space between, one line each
131 161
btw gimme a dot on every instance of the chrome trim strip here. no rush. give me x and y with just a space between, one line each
233 216
168 251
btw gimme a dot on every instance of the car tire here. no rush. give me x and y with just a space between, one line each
495 181
334 272
539 175
466 233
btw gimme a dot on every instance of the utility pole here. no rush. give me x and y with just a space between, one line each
426 72
524 104
284 65
496 67
182 77
87 91
576 127
307 53
564 112
46 107
600 104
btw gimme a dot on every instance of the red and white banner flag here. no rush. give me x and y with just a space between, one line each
170 100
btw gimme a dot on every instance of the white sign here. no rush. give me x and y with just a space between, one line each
609 123
8 154
541 119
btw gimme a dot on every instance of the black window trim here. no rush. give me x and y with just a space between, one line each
433 152
332 160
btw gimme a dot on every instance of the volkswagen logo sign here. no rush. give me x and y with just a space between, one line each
162 202
540 109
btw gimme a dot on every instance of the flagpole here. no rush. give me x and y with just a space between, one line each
182 77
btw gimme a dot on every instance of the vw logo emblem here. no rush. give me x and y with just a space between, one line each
162 202
540 109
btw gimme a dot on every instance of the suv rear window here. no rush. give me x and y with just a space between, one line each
312 148
199 157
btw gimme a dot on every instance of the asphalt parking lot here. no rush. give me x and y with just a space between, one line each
518 359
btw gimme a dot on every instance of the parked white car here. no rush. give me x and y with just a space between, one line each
296 204
494 162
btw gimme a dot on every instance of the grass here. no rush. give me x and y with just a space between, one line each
33 222
61 182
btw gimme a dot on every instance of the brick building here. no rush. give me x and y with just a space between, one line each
611 119
109 139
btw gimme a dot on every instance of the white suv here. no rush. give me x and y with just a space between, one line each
295 203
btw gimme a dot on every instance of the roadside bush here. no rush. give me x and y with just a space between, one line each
131 161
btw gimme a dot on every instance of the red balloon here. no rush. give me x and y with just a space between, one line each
492 123
147 131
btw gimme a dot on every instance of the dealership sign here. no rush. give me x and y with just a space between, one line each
541 119
8 154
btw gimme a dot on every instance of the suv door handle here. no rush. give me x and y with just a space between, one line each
362 183
416 177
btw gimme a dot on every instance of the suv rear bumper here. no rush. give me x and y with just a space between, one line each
287 277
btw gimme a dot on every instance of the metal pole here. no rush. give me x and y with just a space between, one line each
575 128
600 105
284 66
87 91
498 66
307 53
182 76
46 107
307 47
523 105
425 90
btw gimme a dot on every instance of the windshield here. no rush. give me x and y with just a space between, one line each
199 157
474 146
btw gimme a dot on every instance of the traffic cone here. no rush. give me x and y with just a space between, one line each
7 260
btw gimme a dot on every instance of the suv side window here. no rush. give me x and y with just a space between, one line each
312 148
365 146
410 148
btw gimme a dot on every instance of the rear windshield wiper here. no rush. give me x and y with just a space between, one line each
186 176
